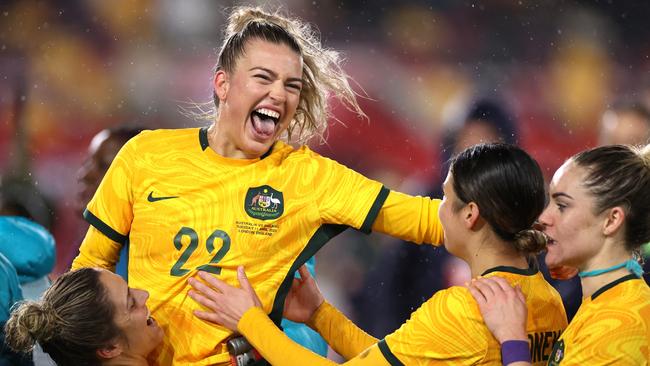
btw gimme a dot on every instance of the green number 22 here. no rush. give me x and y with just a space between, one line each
211 267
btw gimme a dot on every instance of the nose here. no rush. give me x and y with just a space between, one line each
142 295
278 92
545 218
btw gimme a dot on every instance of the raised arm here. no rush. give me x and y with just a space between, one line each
410 218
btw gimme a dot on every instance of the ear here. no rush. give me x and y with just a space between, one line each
109 352
221 84
614 220
471 215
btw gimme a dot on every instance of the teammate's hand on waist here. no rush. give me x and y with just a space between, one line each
225 304
303 299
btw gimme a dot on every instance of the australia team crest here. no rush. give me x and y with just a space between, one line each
557 354
264 203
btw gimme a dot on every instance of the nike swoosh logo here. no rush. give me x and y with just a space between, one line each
151 198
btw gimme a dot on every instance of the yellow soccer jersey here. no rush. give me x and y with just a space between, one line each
448 329
184 208
612 327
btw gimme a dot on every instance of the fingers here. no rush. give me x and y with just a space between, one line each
304 272
484 287
477 294
520 294
214 282
208 316
203 300
207 291
504 285
243 280
246 285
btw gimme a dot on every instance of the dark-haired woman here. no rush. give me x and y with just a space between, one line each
493 194
87 317
597 221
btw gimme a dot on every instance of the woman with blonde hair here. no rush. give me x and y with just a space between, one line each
237 192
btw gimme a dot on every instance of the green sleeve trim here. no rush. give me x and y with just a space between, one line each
388 355
322 235
203 138
104 228
366 227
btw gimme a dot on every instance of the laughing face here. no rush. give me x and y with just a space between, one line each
258 99
575 232
141 333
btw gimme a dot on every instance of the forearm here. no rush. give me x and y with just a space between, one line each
273 344
410 218
340 332
97 250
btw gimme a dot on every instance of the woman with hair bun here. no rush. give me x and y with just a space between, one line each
492 196
596 222
87 317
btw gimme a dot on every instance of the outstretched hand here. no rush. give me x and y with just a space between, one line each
303 299
502 306
227 304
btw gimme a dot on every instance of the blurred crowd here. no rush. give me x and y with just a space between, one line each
555 77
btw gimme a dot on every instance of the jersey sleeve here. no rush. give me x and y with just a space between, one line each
445 328
346 197
97 250
410 218
341 333
279 350
110 213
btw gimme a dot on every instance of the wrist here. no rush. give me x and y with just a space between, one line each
515 351
512 336
314 316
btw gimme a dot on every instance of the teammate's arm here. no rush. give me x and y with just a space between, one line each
410 218
347 197
110 213
345 337
97 250
279 350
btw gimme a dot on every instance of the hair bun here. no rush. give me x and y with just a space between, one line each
29 323
530 241
242 16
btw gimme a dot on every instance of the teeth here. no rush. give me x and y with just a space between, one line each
268 112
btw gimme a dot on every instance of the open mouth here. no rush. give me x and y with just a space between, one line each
150 320
264 121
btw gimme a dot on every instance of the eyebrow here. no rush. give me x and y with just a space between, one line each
561 194
273 73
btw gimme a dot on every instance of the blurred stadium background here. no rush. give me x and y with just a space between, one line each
69 69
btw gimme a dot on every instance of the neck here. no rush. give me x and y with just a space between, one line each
486 254
612 252
593 284
222 145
